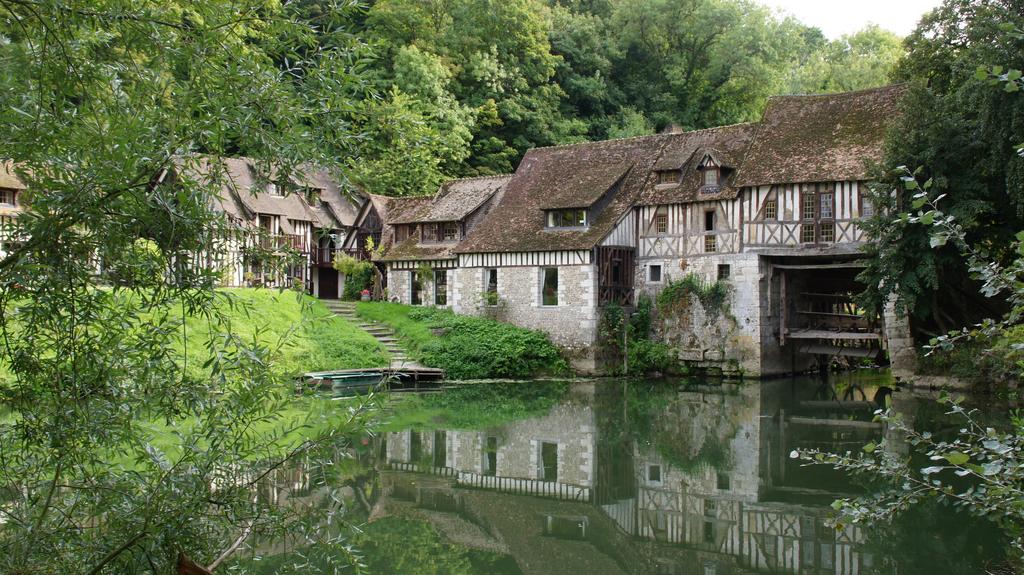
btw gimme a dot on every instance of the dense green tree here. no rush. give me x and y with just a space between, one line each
961 133
864 59
116 452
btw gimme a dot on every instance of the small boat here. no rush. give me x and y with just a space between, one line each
350 381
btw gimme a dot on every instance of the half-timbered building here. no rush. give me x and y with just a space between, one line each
305 214
423 232
771 207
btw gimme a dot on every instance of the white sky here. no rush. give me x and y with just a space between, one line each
836 18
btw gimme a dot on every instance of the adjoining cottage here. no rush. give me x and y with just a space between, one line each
422 233
770 207
307 214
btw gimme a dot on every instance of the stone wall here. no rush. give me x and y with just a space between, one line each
732 340
571 325
399 287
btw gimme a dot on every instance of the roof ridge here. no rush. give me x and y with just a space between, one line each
467 178
653 136
843 93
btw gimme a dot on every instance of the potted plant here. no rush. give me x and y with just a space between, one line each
364 295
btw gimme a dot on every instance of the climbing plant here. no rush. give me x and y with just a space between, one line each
676 297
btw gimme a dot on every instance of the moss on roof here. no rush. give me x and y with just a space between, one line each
829 137
727 145
517 223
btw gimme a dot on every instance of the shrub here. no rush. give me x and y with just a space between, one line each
713 296
471 347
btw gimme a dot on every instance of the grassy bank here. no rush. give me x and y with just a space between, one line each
313 339
467 347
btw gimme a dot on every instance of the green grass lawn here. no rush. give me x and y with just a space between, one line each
318 340
468 347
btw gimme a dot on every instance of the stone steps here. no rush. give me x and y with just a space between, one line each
382 333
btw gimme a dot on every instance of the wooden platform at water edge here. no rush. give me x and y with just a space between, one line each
357 380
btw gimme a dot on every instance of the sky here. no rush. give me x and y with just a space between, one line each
836 18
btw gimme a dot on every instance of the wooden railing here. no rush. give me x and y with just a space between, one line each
281 241
324 257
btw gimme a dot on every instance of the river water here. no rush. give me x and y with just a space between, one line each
684 477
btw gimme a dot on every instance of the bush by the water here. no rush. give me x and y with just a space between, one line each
468 347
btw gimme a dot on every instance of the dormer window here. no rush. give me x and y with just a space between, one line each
450 231
7 197
274 190
668 177
573 218
711 175
313 196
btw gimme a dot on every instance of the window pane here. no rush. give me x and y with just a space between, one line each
655 273
807 211
710 243
826 206
554 219
440 287
581 217
492 281
770 210
710 176
416 287
709 221
549 293
807 233
828 232
451 231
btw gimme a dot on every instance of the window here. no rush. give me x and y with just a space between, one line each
440 287
549 290
827 206
817 214
313 196
431 233
661 220
654 473
266 223
723 482
402 232
654 273
274 190
710 508
828 232
450 231
440 449
547 469
771 209
668 176
7 196
574 218
415 288
710 241
415 446
711 178
724 270
491 286
709 532
490 456
867 208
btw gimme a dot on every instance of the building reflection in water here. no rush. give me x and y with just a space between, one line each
695 479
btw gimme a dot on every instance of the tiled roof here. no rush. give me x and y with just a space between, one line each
827 137
560 176
8 179
457 199
684 151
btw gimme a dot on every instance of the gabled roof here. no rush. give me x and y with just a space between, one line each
685 151
244 194
819 138
566 176
8 179
456 200
251 191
